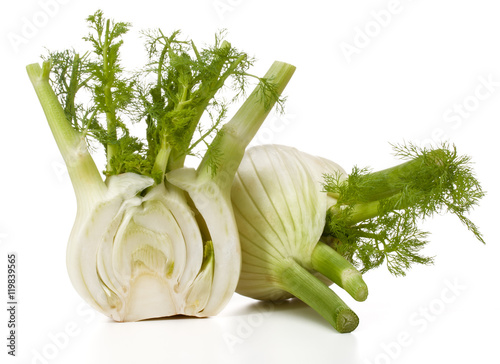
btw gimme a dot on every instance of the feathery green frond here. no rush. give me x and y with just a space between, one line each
376 215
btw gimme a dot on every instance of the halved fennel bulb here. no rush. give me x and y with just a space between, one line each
134 256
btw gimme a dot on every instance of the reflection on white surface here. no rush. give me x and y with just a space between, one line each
247 332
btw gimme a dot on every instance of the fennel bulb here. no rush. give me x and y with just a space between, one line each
280 210
153 238
304 223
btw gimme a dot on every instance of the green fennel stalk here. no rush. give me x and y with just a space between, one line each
375 218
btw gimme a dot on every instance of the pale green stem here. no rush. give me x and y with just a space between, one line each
360 212
305 286
240 130
335 267
85 177
390 183
161 160
111 123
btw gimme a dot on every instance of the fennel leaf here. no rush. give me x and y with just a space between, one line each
375 219
177 87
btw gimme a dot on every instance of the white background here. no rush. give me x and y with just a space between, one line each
402 78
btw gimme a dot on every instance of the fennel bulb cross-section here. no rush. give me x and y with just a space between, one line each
153 238
134 257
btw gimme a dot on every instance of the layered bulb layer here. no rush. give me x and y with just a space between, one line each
144 251
280 209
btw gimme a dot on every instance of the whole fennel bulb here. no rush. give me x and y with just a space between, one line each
304 223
